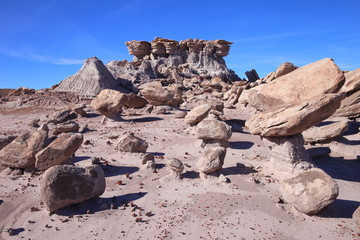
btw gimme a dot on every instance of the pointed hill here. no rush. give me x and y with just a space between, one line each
90 79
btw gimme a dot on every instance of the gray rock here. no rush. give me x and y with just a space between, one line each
59 116
175 165
59 151
64 185
326 133
310 191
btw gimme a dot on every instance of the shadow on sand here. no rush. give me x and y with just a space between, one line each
340 209
239 169
98 204
241 145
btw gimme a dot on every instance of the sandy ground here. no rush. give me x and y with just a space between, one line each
143 207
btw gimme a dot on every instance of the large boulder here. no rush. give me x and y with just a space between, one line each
59 116
317 78
212 160
131 143
310 191
197 114
109 102
158 95
20 153
59 151
69 126
326 133
290 119
64 185
352 81
213 129
284 68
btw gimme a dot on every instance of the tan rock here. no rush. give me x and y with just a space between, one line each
20 153
213 129
197 114
109 102
310 191
131 143
356 216
59 151
59 116
290 119
135 101
65 185
352 81
317 78
138 48
212 160
284 68
326 133
69 126
157 95
350 106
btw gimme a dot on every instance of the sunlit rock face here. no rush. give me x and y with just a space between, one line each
164 58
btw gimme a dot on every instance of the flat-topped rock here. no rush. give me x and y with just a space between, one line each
314 79
290 119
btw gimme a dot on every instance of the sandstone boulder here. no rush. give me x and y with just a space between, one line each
290 119
69 126
356 216
213 129
20 153
109 102
326 133
131 143
212 160
59 151
135 101
284 68
64 185
197 114
352 81
317 78
59 116
310 191
350 106
157 95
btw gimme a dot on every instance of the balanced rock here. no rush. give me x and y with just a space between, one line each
212 160
157 95
356 216
317 78
284 68
197 114
90 79
109 102
20 153
59 151
213 129
352 81
326 133
131 143
65 185
290 119
310 191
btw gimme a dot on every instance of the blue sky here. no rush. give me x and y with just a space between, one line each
43 42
